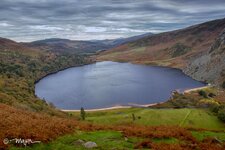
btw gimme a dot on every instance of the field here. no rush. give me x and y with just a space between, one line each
194 118
152 128
104 139
108 140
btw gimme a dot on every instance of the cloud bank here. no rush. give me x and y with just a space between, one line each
29 20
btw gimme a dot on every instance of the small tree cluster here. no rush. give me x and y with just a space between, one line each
219 110
203 93
82 113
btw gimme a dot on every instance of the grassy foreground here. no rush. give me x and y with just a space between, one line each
186 117
104 139
113 140
152 128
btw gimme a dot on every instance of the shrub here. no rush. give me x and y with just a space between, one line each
212 95
223 85
207 103
215 108
221 115
203 93
82 113
133 117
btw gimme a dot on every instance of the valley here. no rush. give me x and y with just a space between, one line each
192 120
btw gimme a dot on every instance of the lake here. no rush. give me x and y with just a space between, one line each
107 84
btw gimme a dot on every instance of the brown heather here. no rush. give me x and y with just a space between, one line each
16 123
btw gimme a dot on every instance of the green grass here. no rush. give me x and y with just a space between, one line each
104 140
200 118
196 118
110 140
204 134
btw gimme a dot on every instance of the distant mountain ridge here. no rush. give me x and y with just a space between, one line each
78 46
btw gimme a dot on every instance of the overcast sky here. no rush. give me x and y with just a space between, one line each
29 20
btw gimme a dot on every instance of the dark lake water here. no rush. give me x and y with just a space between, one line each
107 84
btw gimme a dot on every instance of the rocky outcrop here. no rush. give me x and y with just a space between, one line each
210 66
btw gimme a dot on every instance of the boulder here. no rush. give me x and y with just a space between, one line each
90 144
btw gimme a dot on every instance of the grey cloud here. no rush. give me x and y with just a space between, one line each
27 20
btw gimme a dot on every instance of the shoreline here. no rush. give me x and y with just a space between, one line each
130 105
195 89
54 72
113 107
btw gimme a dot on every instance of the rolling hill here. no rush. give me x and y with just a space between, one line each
80 47
174 49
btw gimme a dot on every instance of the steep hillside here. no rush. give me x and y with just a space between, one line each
78 47
21 66
173 49
211 65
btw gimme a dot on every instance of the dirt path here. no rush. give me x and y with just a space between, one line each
185 118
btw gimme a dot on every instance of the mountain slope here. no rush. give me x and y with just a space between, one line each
73 46
173 49
166 46
211 65
21 66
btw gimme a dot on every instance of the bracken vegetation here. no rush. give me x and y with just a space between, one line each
16 123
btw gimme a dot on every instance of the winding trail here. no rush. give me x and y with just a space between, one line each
185 118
